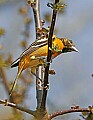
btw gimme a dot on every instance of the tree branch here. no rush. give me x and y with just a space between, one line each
37 15
6 103
36 10
43 103
68 111
39 73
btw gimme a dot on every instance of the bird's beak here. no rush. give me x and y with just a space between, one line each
74 49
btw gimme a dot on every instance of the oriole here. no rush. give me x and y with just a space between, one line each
36 53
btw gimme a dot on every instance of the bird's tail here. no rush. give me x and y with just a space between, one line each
15 81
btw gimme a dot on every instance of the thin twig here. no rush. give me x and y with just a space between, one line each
43 103
6 103
68 111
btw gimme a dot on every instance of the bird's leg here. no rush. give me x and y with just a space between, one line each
41 83
43 62
36 76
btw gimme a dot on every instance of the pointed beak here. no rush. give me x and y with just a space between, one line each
74 49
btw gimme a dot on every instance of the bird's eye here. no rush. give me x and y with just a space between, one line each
71 41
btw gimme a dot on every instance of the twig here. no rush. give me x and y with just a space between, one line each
68 111
6 103
37 15
43 103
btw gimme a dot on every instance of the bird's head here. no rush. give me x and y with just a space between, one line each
69 46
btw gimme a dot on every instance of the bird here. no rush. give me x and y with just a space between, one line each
36 54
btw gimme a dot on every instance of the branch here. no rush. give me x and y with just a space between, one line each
6 103
36 15
43 103
68 111
39 73
36 10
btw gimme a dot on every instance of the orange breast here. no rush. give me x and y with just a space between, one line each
57 42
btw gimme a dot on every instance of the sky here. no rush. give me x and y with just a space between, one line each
72 82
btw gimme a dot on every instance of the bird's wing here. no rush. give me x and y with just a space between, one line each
33 47
15 63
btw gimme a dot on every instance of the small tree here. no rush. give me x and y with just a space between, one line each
41 112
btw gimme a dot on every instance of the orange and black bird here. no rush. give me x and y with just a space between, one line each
36 53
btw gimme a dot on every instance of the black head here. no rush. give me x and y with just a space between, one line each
69 46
